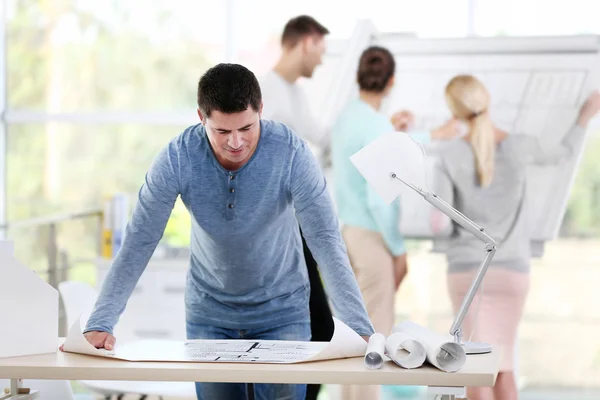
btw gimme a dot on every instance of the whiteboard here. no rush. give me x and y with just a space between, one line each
537 85
335 79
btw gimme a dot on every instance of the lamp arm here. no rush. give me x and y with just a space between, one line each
458 217
490 249
456 328
475 230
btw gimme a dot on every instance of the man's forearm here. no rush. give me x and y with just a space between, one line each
323 238
319 224
118 286
145 229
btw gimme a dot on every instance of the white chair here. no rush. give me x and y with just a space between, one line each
78 300
49 389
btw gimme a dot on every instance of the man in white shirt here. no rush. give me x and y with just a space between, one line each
303 45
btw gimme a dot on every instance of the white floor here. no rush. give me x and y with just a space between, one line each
395 394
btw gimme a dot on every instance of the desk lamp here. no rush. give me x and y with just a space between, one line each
395 158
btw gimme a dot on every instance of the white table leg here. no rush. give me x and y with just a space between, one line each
448 397
15 385
447 392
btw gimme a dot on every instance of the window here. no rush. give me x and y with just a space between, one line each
74 56
258 44
95 90
58 168
536 17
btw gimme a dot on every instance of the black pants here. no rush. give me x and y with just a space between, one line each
321 320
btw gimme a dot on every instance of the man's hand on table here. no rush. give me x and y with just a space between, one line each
99 340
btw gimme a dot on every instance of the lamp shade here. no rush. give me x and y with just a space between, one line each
393 152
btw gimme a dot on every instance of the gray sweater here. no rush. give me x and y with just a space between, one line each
501 207
247 268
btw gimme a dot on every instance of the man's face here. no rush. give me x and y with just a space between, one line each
233 137
314 48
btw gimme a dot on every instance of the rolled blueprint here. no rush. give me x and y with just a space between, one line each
442 352
404 350
375 351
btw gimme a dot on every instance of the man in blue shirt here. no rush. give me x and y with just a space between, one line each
247 183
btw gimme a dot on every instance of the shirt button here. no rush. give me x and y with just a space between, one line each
231 177
230 206
231 190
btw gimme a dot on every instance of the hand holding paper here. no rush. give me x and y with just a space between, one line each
76 342
403 120
101 340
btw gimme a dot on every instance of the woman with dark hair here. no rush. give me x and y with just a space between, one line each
370 226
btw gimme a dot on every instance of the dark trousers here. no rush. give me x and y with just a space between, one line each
321 319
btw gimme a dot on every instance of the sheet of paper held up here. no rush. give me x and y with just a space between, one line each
393 152
345 343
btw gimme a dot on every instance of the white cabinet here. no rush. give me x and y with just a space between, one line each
156 308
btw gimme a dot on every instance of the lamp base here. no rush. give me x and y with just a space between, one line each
477 347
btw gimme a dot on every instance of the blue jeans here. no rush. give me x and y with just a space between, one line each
262 391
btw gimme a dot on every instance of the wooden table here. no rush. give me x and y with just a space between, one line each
479 370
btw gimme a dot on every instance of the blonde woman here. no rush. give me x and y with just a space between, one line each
483 174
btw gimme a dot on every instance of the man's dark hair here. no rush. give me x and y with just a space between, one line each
297 28
228 88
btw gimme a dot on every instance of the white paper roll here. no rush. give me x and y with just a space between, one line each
375 351
405 351
441 350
